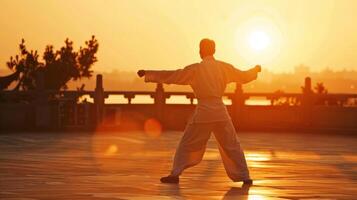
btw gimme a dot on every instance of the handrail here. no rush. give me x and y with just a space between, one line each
304 101
171 93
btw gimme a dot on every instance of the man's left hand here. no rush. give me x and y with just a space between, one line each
141 73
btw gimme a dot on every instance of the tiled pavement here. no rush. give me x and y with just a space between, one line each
129 165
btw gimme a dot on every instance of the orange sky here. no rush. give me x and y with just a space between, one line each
165 34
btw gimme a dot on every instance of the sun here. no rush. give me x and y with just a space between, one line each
258 40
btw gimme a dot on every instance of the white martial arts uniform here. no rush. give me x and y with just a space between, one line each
208 80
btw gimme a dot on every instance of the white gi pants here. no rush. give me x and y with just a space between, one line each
193 144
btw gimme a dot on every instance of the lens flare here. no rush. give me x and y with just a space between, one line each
111 150
152 128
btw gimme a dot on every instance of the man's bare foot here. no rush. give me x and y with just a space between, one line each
170 179
248 182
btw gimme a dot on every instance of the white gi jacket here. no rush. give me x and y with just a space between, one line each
208 80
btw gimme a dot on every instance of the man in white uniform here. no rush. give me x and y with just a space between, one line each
208 80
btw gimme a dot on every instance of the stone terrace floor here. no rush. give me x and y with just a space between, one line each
129 165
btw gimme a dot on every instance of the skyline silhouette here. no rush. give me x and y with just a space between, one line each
278 34
344 81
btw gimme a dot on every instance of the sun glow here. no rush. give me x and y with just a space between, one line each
259 40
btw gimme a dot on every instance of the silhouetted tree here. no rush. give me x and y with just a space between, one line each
58 67
321 99
320 88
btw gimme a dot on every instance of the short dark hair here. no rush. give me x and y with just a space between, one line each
207 47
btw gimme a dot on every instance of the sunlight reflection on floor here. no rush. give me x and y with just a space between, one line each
129 165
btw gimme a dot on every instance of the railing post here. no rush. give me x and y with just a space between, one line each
238 105
43 117
307 102
99 98
159 101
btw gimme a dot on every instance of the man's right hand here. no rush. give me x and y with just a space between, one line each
258 68
141 73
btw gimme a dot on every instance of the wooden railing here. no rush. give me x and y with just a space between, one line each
67 101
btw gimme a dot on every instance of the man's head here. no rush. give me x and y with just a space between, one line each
207 48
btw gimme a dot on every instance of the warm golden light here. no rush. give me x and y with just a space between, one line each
257 156
152 128
256 197
259 40
309 29
112 150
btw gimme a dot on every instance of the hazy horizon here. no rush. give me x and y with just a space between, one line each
165 35
341 81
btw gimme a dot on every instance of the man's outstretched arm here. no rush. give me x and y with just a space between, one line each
242 77
181 76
